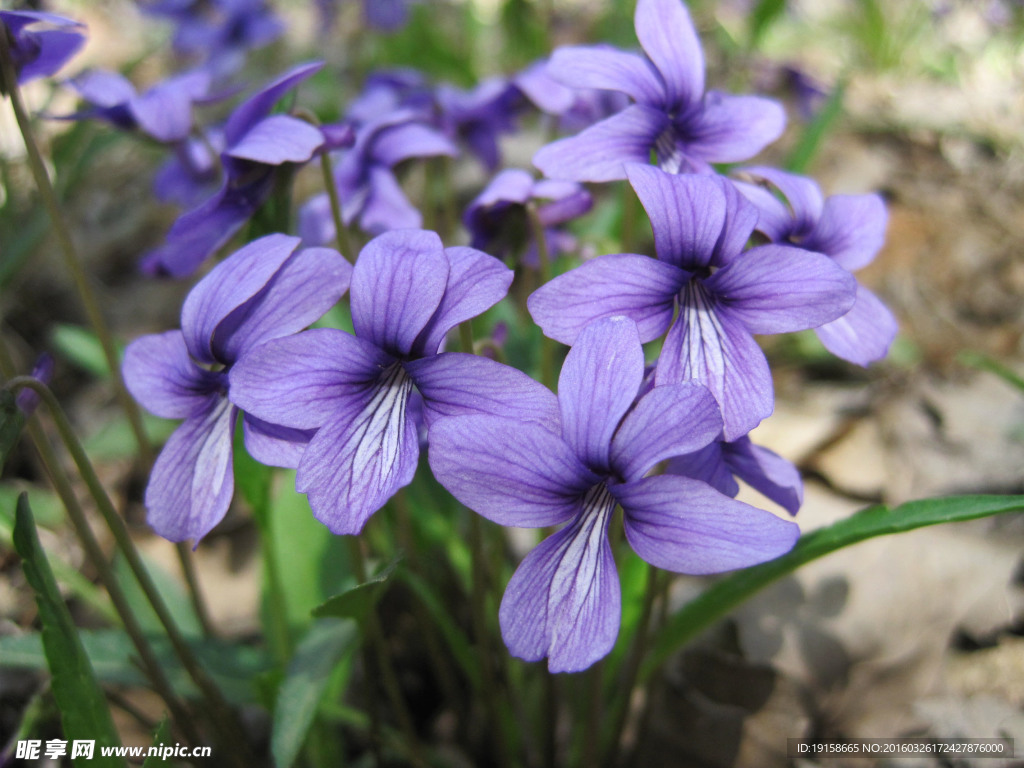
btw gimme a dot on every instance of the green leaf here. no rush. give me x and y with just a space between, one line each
985 363
308 676
357 602
456 639
115 439
81 347
762 16
313 562
879 520
83 707
814 132
170 589
234 667
161 736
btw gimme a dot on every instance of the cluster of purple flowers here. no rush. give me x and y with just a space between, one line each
758 252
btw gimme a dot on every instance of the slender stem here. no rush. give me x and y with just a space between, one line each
444 196
341 233
595 700
478 596
384 666
222 715
188 570
71 260
620 711
547 346
549 749
629 214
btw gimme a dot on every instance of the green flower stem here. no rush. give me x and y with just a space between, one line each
478 597
481 582
547 346
620 708
345 245
63 486
629 215
71 260
440 178
375 637
227 727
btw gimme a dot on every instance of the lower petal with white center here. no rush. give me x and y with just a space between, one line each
357 461
192 482
564 600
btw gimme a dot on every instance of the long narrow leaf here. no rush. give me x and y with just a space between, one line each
879 520
309 672
83 707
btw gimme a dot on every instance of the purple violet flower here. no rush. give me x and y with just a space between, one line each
496 219
220 32
264 291
367 185
720 463
563 601
163 112
849 229
477 117
27 399
192 173
576 108
686 127
408 291
257 145
40 43
724 295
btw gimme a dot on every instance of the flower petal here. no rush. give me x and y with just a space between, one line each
600 379
192 482
667 35
455 384
639 287
803 195
601 151
258 105
385 206
668 421
278 139
273 445
731 129
774 219
308 284
476 282
102 88
396 143
606 68
195 235
165 110
779 289
707 465
510 471
564 600
397 285
300 381
707 345
687 213
766 472
851 230
227 286
355 463
160 374
864 334
684 525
